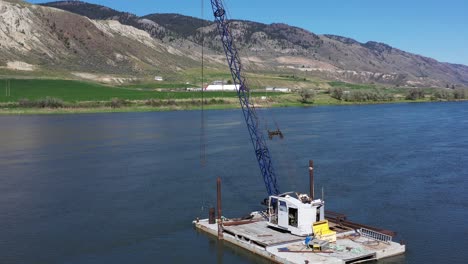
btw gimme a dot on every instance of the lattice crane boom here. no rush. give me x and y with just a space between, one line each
258 140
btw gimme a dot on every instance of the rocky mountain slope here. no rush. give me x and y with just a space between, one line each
34 37
334 57
82 37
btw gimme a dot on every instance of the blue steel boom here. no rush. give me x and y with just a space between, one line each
261 150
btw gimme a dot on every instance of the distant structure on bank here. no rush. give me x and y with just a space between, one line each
223 86
278 89
217 86
158 78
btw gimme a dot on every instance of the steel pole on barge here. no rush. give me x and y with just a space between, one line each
218 204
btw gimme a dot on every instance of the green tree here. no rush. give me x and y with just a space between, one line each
443 94
415 94
307 95
337 93
460 94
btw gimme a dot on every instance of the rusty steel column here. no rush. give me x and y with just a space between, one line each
211 216
311 178
218 198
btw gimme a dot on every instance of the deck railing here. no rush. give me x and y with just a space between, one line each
375 235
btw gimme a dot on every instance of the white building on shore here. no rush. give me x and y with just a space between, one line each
222 87
215 87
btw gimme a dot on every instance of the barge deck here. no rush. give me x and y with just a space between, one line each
351 246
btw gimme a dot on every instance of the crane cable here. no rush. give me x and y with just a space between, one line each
205 202
202 126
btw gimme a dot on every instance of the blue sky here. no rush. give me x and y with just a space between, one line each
437 29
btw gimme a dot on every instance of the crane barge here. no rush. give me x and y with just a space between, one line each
292 223
294 214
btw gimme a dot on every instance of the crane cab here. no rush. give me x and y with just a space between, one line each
295 213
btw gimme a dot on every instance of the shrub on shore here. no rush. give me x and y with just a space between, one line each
446 94
336 93
442 94
415 94
153 102
307 95
367 96
360 95
118 102
48 102
460 94
172 102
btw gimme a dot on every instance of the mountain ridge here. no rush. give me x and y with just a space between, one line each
270 47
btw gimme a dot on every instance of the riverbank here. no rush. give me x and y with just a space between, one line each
46 111
176 105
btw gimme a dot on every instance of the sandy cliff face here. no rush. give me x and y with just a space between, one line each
21 32
50 38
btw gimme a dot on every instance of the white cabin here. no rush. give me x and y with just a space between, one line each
295 214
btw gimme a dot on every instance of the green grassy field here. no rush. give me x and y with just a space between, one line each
153 85
74 91
352 86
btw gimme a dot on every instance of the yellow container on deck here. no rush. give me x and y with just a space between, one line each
322 231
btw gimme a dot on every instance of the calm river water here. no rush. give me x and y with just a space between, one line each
124 187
